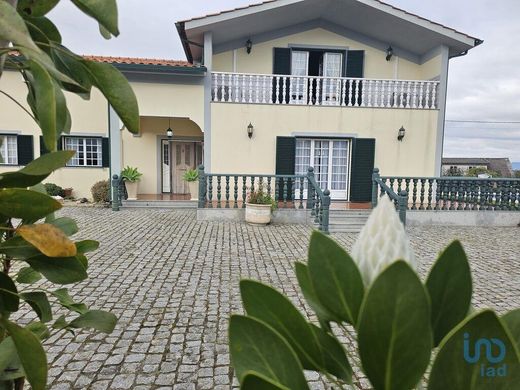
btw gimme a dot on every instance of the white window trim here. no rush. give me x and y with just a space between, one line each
84 141
5 149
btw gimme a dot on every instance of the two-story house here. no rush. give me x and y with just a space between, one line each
340 85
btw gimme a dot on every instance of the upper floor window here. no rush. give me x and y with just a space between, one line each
88 151
9 149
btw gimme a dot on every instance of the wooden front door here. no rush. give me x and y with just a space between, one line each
183 159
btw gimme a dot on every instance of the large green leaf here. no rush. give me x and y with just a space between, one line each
118 92
99 320
45 27
18 248
36 8
13 28
394 331
66 300
464 355
256 347
26 204
450 288
335 277
9 361
31 354
36 171
40 304
28 276
256 381
304 280
44 103
86 246
512 322
9 299
70 64
65 270
66 225
104 11
316 350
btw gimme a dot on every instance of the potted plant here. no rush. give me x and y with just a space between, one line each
131 177
259 207
191 176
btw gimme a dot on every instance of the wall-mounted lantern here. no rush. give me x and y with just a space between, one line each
389 53
169 131
250 130
249 46
401 133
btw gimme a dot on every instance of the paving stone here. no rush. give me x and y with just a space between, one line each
173 283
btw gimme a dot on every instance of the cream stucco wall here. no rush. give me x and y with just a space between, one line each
182 100
88 118
261 58
232 150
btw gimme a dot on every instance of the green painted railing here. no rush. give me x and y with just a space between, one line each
231 191
400 197
453 193
119 193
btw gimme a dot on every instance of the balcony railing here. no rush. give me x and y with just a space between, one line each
324 91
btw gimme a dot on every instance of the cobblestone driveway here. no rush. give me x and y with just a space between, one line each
173 283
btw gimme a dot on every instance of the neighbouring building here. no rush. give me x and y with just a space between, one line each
502 166
270 88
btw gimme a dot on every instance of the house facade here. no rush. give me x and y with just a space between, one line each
452 165
340 85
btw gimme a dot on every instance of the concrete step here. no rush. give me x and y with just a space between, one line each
347 221
160 204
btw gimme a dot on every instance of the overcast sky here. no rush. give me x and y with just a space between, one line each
483 86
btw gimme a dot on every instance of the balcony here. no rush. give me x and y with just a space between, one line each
324 91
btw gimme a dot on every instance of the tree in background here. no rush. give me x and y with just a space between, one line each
35 246
453 171
474 172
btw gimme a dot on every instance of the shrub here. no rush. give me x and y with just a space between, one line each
260 196
191 175
131 174
54 190
101 191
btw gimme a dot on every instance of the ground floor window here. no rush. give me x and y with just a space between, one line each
88 151
330 159
8 149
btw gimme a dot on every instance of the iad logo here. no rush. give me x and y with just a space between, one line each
490 368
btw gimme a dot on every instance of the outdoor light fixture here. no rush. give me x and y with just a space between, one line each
169 132
250 130
249 46
401 133
389 53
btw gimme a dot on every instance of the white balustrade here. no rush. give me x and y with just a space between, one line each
324 91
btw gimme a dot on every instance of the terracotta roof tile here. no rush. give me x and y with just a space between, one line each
139 61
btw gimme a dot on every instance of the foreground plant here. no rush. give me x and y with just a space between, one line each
400 323
35 245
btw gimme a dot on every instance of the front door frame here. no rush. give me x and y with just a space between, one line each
160 140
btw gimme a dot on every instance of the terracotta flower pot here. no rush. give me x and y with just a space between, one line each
131 189
258 214
194 189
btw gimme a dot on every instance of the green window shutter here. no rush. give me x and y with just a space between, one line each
43 149
355 68
285 162
25 150
363 156
281 65
355 63
105 152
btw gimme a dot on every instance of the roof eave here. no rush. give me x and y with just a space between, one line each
181 29
161 69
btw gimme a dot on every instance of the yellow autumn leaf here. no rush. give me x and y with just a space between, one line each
50 240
